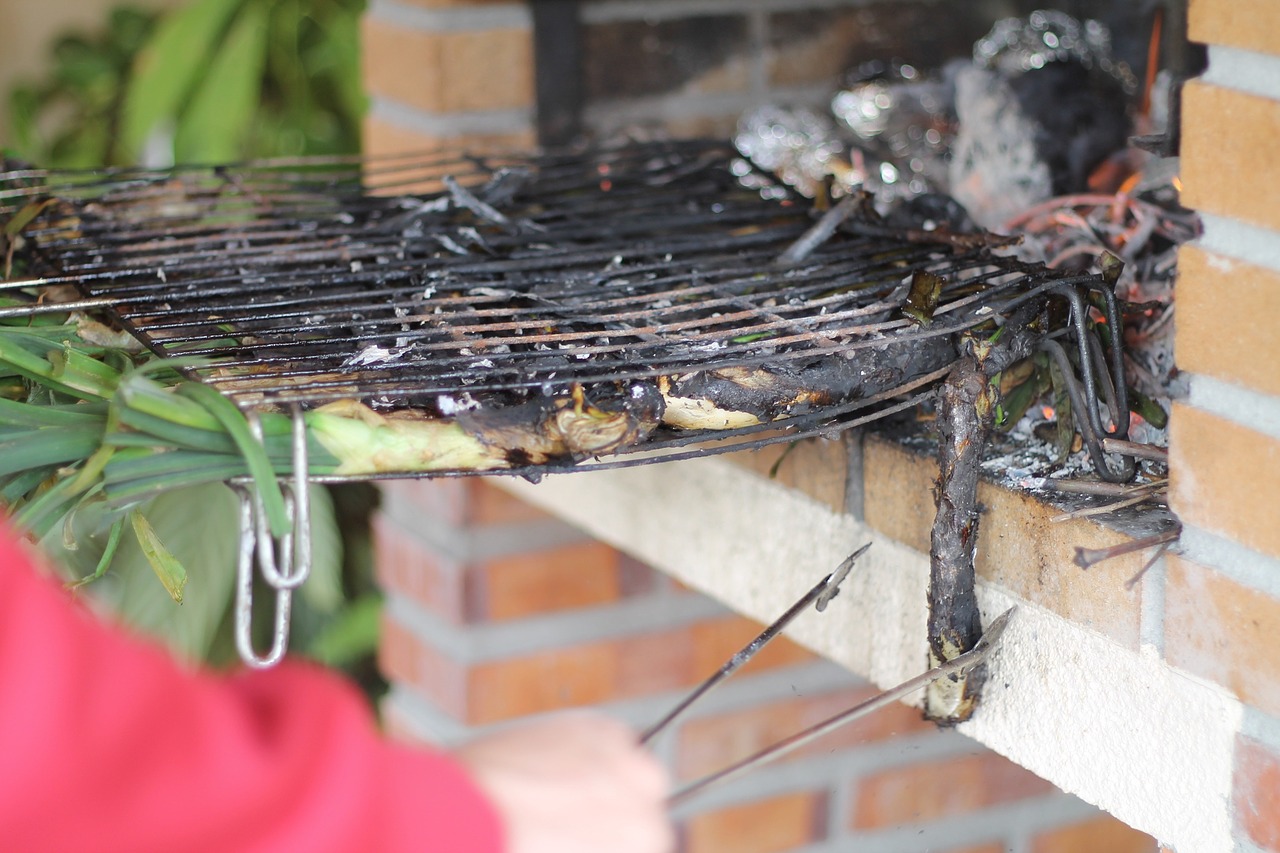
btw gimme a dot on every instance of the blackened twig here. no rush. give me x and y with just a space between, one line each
965 415
1086 557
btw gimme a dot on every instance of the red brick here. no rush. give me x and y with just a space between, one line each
403 658
488 504
564 578
411 568
546 681
919 793
1102 834
461 502
1215 468
1217 294
708 743
763 826
552 679
443 72
714 641
1226 135
1257 793
1250 24
1222 631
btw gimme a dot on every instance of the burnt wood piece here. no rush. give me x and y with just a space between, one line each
966 412
965 416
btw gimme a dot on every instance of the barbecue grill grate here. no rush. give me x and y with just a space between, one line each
458 284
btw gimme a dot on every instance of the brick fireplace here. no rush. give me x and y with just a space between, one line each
1158 705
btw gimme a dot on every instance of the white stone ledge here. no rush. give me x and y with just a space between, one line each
1116 727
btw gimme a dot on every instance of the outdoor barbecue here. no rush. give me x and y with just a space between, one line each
972 259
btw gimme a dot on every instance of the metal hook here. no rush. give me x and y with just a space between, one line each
284 563
244 596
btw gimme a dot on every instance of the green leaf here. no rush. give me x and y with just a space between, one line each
161 559
168 68
214 127
351 636
200 526
922 300
323 588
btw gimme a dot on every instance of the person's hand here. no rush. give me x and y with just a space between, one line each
576 783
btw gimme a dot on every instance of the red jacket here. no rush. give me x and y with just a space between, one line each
107 744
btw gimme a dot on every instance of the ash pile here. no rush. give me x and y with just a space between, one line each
1033 137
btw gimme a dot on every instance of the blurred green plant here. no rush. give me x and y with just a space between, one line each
212 81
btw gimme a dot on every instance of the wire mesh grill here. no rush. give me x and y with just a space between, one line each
464 282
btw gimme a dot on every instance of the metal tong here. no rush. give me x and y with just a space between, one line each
820 595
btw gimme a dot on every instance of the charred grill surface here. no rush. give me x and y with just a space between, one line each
559 306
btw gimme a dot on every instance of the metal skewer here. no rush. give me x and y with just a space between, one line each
966 661
821 594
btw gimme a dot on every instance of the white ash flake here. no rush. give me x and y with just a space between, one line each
449 404
375 354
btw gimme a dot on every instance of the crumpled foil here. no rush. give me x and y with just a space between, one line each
799 145
1017 45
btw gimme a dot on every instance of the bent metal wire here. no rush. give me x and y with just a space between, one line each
452 281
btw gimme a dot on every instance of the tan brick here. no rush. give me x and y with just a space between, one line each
1019 547
571 576
929 791
444 72
763 826
1257 793
706 744
1250 24
1215 469
1103 833
1226 135
1217 629
816 467
1225 325
443 4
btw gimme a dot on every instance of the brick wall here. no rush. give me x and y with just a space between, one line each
496 610
1223 592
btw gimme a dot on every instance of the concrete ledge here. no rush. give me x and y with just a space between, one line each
1100 716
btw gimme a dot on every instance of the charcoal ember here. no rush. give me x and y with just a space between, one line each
1080 119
